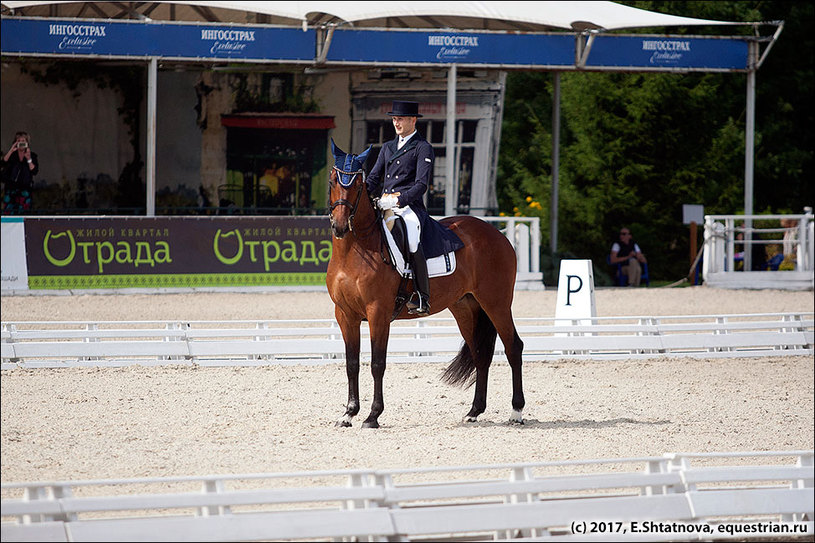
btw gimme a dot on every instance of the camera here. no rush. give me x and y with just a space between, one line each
22 145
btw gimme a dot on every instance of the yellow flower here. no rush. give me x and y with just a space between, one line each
528 199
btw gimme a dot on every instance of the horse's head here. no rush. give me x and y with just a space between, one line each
346 188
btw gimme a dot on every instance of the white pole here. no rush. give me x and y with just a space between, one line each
749 146
451 192
150 162
749 151
555 163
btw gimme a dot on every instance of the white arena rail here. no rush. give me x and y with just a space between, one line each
676 497
210 343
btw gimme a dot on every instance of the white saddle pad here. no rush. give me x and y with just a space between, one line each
436 267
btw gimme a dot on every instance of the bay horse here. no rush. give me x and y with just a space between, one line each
364 286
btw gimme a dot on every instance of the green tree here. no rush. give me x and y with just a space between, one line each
636 146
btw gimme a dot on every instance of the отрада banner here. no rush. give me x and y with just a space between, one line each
185 252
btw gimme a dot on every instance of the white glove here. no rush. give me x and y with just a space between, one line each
388 201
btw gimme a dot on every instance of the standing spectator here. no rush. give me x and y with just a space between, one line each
628 253
790 240
203 201
20 165
790 244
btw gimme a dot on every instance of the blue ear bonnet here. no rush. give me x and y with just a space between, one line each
347 165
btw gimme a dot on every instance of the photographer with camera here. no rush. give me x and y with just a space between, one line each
19 167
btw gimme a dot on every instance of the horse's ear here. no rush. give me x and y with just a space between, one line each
336 151
363 156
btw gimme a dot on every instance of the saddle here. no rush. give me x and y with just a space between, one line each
395 232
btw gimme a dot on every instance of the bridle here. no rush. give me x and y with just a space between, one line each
343 202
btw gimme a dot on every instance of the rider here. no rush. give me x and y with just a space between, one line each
402 173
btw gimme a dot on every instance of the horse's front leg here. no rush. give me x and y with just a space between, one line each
380 330
350 334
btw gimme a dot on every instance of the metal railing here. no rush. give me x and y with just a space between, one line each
728 251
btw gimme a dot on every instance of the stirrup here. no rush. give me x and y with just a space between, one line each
422 308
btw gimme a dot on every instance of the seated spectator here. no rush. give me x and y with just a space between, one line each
758 252
627 253
774 257
738 255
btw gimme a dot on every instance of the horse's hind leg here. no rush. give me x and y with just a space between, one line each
499 311
476 354
515 358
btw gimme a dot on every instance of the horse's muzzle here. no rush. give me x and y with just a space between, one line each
337 229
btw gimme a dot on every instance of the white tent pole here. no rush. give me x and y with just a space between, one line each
749 142
749 151
555 162
451 194
150 162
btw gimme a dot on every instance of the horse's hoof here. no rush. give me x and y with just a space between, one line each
471 418
516 417
370 424
344 422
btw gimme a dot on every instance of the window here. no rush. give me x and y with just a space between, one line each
272 171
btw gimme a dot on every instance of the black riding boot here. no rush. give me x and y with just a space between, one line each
421 283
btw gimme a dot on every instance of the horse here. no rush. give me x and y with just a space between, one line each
364 285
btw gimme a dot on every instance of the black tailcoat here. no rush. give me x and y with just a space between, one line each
409 171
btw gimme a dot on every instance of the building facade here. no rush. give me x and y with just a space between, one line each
244 140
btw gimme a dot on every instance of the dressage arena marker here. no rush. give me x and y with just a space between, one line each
722 494
319 341
575 293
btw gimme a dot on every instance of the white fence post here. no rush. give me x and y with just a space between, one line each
521 234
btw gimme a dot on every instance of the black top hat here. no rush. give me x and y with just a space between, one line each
405 109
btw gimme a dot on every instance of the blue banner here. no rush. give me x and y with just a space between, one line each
371 46
74 37
667 52
234 42
165 40
206 41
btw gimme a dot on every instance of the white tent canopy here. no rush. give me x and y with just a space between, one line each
475 15
500 15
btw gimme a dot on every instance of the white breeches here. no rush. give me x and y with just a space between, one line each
414 227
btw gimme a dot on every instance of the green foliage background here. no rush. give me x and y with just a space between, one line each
635 147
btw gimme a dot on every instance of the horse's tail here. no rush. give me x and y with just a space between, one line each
461 371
